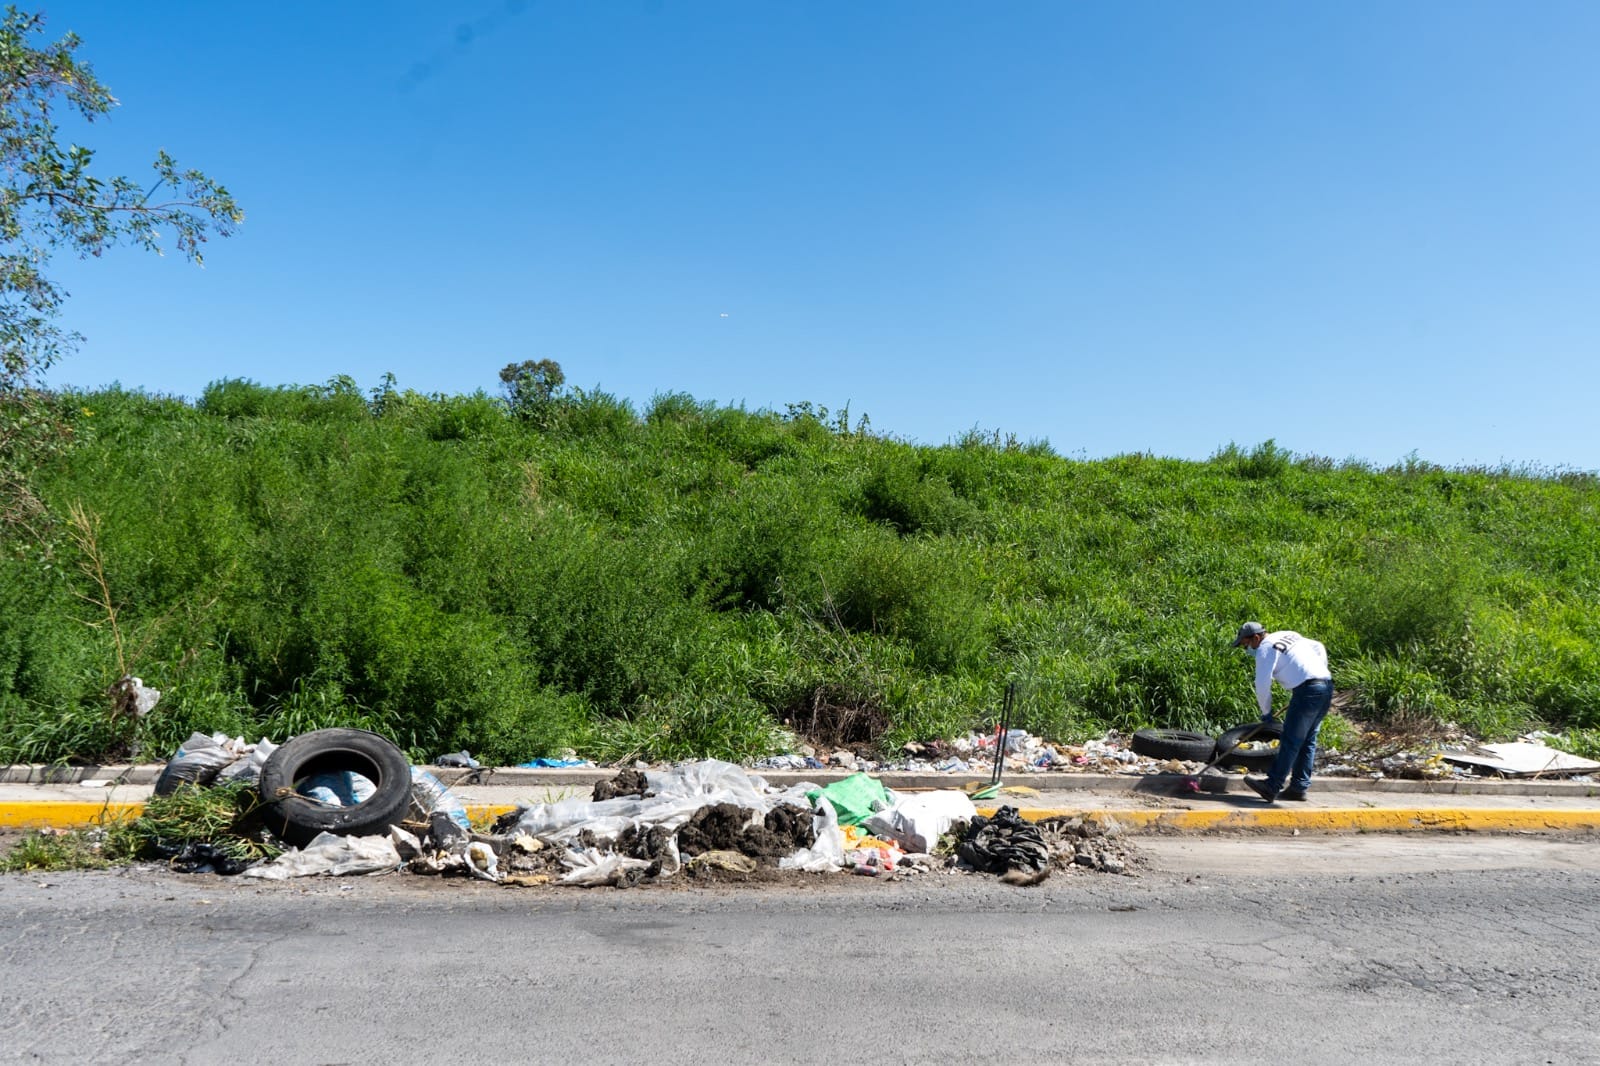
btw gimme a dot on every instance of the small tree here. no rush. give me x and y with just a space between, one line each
531 386
49 199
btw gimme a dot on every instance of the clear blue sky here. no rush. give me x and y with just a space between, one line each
1362 229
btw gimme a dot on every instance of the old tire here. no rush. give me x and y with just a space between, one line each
1256 754
1173 744
297 819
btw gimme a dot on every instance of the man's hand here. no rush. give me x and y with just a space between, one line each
1267 718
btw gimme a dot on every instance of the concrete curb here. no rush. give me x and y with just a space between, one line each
1156 783
67 814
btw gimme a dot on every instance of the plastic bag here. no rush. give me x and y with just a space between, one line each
339 788
856 797
247 771
918 820
482 861
197 762
827 854
590 868
429 795
332 855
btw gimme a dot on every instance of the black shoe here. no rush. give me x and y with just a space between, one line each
1293 794
1258 785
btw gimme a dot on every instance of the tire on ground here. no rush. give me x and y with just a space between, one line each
1252 758
1174 744
297 818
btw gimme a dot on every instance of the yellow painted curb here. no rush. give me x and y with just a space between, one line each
72 814
64 814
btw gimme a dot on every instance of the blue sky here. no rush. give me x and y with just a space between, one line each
1361 229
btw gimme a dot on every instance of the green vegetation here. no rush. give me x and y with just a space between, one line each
556 570
47 850
222 819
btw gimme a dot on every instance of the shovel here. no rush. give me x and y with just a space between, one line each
1197 782
1001 730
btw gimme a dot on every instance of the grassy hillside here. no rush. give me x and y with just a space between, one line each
688 580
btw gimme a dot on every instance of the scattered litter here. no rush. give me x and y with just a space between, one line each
525 880
333 855
131 697
553 764
1521 759
457 760
592 868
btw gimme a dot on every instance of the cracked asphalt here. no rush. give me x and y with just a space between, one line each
1321 950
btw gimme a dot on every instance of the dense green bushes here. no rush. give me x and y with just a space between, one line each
705 580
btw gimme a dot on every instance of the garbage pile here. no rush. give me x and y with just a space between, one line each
345 801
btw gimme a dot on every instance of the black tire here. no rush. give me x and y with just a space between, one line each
297 819
1174 744
1253 758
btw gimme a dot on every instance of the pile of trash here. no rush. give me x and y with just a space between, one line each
345 801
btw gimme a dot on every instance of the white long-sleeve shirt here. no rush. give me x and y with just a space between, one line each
1289 659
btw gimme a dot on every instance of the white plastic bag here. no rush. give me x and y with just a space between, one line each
429 794
482 861
332 855
918 819
247 771
827 854
590 867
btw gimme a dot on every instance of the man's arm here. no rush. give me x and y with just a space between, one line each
1265 661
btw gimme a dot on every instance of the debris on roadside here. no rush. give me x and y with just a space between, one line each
1525 758
457 760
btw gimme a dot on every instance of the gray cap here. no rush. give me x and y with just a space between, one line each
1248 630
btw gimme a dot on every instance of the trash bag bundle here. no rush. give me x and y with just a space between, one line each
1004 842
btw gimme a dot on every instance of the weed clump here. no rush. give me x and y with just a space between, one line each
220 822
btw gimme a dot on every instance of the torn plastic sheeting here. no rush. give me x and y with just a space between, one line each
827 853
917 820
332 855
590 867
855 798
678 794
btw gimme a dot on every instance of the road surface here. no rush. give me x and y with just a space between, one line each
1326 950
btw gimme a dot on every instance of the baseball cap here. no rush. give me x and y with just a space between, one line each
1248 630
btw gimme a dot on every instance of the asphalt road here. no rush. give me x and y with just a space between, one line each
1335 950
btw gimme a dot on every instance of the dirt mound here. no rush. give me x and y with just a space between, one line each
626 783
727 827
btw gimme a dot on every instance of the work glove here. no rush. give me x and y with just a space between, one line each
1267 718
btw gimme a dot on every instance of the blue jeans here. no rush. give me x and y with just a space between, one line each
1297 749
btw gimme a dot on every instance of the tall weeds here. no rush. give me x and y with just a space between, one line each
710 580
